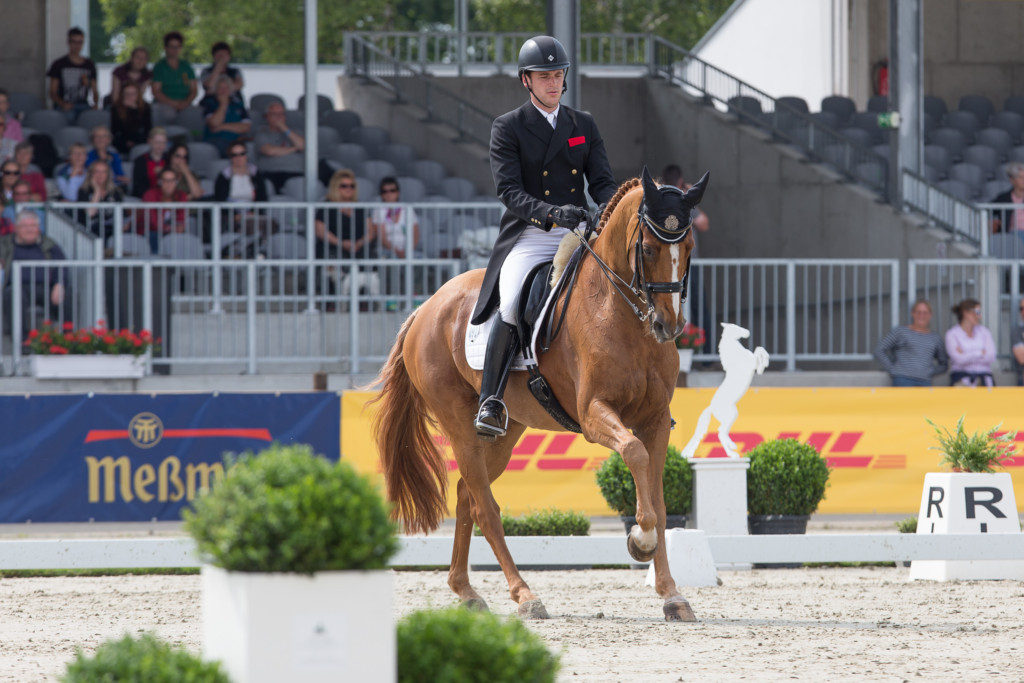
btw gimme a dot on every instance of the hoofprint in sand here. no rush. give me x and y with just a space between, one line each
812 623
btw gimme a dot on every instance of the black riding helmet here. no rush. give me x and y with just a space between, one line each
542 53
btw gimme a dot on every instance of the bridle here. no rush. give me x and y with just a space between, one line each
639 287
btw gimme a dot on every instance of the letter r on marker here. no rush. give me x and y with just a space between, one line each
933 501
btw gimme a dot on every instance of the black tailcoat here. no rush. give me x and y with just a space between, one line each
537 168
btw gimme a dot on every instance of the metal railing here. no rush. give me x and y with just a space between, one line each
1000 236
412 84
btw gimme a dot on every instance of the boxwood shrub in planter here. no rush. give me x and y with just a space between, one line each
294 587
619 490
462 645
785 483
145 658
549 522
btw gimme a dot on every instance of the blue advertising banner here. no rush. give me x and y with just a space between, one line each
126 458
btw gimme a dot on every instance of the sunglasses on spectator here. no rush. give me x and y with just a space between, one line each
168 180
389 190
236 154
12 172
346 186
181 155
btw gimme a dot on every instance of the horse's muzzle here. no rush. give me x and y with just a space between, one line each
664 334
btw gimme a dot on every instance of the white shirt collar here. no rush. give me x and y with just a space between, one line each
549 117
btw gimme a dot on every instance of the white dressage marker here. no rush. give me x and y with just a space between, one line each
740 364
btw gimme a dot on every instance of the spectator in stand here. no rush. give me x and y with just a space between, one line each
10 174
1010 220
279 149
23 152
221 66
187 183
1017 345
42 287
242 182
148 166
341 231
913 354
99 187
165 219
130 119
6 144
174 81
388 226
970 347
102 151
22 195
13 129
72 78
135 70
226 117
72 174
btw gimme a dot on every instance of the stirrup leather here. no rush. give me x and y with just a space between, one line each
486 429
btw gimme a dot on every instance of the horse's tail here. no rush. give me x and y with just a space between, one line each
413 463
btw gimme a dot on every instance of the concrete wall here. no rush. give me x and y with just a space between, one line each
23 58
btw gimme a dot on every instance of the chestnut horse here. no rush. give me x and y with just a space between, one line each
612 368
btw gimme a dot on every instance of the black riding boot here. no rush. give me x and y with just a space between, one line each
492 418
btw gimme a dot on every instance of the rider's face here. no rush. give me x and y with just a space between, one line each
546 86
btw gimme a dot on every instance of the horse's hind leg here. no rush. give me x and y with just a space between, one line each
458 572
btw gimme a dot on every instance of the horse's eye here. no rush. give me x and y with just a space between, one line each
648 252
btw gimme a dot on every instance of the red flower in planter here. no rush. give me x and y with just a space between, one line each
32 334
68 326
58 350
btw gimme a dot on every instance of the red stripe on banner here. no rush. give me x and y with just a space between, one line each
516 464
114 434
788 435
819 439
846 442
105 435
561 463
528 445
849 461
559 444
1013 461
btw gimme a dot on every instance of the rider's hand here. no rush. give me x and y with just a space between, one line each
568 216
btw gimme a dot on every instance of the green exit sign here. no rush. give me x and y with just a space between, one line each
889 119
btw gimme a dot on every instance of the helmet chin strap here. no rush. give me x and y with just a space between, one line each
529 83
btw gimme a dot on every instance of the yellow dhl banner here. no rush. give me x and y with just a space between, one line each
875 440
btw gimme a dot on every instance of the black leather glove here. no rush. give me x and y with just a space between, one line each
568 216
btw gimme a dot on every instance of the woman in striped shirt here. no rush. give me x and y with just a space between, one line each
970 347
913 354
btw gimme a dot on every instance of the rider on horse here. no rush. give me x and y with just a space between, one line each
540 154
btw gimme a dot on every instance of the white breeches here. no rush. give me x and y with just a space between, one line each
533 246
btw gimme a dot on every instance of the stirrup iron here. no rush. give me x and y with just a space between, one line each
486 430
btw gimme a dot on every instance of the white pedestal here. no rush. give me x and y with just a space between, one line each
720 498
331 626
689 559
967 503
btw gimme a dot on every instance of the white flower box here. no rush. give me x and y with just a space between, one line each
332 626
685 359
92 366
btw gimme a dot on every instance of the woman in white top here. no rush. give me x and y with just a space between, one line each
388 226
970 346
241 181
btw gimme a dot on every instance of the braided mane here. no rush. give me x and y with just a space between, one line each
624 188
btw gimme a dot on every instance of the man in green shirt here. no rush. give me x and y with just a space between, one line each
174 81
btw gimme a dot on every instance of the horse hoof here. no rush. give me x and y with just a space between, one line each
475 605
533 609
678 609
636 552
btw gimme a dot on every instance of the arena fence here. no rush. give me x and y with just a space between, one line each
550 551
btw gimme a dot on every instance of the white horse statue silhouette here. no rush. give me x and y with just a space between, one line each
740 364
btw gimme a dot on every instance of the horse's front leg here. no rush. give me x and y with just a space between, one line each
601 424
676 608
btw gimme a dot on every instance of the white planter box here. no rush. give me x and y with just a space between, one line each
967 503
685 359
95 366
332 626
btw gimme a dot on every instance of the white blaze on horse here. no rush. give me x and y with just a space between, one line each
612 368
740 365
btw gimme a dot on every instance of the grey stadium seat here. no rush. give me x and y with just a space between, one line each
870 172
964 121
1010 121
260 101
795 103
994 188
979 105
326 138
827 119
935 107
373 138
745 107
67 135
957 188
181 246
985 158
430 172
459 189
858 135
401 156
349 155
842 107
952 139
323 105
176 132
1017 154
878 104
413 189
24 102
342 121
996 138
968 174
191 119
932 174
286 245
214 167
937 156
375 169
163 115
1014 103
132 244
137 151
46 121
93 117
296 189
295 118
200 155
366 190
881 151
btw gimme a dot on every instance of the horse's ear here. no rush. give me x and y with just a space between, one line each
650 187
693 196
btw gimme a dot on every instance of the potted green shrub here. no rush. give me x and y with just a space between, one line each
550 522
146 658
619 490
979 452
785 483
462 645
295 585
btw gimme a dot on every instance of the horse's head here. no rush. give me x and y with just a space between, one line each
661 260
731 331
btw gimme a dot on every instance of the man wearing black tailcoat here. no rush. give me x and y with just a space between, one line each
540 154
